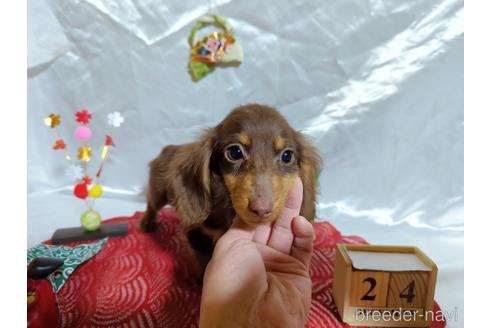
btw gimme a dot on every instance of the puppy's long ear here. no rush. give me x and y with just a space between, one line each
193 193
310 164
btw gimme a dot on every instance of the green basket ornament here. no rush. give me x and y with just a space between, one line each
217 48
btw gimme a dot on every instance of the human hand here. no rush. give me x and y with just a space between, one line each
259 276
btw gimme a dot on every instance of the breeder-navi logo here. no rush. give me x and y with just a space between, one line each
405 315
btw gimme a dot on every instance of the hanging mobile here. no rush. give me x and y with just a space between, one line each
217 48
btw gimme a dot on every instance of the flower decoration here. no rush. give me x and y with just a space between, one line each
59 144
87 179
74 172
109 141
85 187
212 48
115 119
213 44
83 116
53 120
84 153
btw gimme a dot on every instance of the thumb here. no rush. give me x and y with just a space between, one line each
281 236
302 246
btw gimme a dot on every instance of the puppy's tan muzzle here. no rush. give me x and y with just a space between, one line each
261 199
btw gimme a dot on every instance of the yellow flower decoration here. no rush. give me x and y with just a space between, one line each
84 153
52 120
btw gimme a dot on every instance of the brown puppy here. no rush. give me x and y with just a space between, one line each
245 165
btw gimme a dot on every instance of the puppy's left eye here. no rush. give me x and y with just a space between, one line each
234 153
287 156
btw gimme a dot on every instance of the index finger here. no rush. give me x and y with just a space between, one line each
281 237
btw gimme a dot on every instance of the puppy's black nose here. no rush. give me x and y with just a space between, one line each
260 207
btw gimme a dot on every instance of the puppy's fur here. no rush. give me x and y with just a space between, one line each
244 165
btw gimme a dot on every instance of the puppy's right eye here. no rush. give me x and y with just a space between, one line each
234 153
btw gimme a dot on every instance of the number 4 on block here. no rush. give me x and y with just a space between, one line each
369 288
407 289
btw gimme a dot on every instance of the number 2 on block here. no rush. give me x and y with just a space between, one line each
369 288
366 296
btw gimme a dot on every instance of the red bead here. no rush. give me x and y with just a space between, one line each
80 190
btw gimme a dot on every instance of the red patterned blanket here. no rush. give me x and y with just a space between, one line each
146 280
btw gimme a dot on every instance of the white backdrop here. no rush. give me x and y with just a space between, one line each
377 85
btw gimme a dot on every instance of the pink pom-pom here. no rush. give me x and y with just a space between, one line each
83 133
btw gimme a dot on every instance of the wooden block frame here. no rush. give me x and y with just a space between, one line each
343 279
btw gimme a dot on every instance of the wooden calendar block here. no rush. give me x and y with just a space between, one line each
408 289
369 288
374 283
